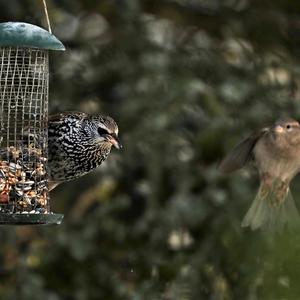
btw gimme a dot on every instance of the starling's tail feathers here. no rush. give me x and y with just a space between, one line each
53 185
269 212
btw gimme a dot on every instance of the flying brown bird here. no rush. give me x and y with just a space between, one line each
276 153
77 144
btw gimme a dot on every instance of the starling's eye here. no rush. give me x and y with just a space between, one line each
102 131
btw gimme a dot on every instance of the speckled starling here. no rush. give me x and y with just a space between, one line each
78 143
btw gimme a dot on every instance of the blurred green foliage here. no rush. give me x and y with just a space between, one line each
186 80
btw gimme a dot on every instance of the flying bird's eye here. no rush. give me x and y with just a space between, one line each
102 131
288 127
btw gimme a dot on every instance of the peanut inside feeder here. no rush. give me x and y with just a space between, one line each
23 181
24 73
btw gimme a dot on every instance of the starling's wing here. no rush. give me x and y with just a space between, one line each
241 154
61 117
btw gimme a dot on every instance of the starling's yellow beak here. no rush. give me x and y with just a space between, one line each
114 140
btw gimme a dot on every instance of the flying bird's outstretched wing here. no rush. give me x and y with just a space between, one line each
241 154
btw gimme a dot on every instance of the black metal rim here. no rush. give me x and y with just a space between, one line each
30 219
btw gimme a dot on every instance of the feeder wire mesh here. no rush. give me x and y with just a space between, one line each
23 130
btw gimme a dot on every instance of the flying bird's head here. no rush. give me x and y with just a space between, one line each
287 132
103 130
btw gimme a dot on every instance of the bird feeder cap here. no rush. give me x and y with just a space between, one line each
19 34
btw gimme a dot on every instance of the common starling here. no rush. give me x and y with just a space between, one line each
276 153
77 144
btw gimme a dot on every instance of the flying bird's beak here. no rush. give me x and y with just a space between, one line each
114 140
278 129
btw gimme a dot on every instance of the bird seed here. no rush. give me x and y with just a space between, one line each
23 181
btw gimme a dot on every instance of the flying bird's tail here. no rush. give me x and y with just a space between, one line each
273 208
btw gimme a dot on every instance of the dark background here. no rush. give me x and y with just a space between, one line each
185 80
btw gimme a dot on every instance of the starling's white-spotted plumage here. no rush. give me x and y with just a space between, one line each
78 143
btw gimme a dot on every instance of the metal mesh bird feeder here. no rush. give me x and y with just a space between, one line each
24 77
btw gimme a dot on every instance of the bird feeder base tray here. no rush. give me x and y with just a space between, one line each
30 219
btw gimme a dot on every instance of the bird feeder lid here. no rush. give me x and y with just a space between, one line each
21 34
